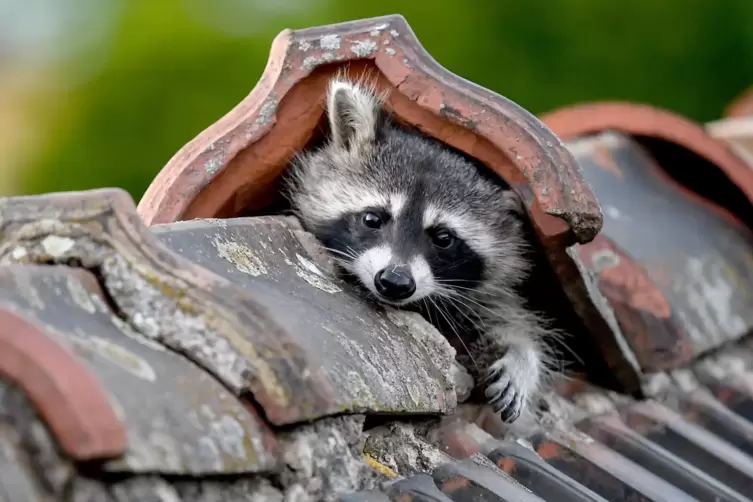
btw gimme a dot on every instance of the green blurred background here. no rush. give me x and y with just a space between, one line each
100 93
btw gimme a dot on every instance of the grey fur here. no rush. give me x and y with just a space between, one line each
367 162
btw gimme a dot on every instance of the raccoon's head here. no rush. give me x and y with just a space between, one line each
404 214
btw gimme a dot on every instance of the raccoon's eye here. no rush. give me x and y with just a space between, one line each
372 220
442 239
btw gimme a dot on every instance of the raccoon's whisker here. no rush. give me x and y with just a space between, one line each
462 308
477 321
452 327
460 288
475 324
352 251
480 296
340 261
493 292
349 252
451 285
452 281
459 294
552 335
346 265
342 253
427 309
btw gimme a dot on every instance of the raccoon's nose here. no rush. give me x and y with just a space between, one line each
395 283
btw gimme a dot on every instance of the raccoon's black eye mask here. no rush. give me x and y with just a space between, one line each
441 237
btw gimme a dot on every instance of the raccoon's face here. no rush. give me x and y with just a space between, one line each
402 249
406 216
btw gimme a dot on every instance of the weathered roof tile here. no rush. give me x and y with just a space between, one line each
369 360
652 282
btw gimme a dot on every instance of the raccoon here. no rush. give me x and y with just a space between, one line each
419 226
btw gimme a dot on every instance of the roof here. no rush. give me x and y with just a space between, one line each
222 359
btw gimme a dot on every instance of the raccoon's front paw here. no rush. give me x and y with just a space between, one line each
511 382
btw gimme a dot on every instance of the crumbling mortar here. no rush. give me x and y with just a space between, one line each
325 458
50 469
402 446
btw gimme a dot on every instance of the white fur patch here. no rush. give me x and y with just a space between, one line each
380 257
424 278
474 233
397 202
342 198
369 263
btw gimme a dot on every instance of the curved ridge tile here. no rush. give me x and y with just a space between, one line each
232 163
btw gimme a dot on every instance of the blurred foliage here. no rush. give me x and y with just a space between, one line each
169 68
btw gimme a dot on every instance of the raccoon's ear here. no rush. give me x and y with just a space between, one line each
355 115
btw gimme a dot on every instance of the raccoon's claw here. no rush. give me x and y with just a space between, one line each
509 386
505 399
